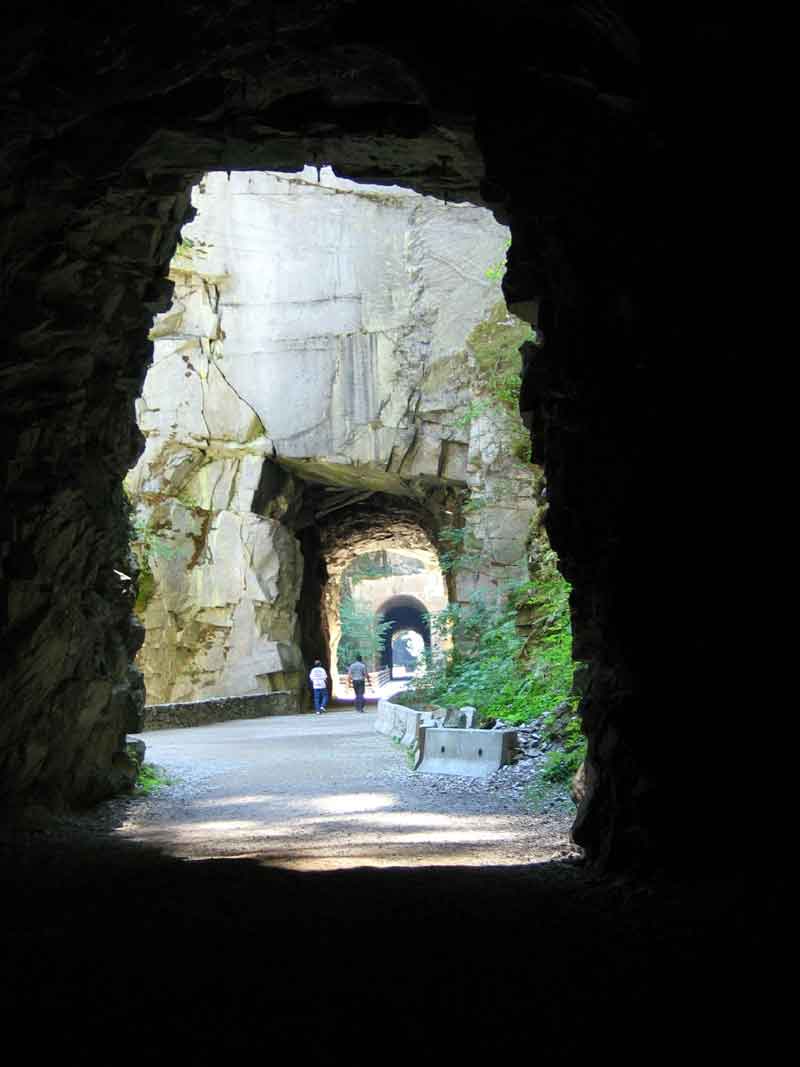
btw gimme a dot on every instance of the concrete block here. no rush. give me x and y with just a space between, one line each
472 753
390 719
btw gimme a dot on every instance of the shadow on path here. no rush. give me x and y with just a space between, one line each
118 950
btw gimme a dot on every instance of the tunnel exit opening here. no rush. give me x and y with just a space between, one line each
380 594
404 615
312 397
408 653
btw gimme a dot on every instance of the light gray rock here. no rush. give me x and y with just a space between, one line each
323 323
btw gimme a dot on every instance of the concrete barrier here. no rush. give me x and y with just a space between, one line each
398 722
444 749
404 724
472 753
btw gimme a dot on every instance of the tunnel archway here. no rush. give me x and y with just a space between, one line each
99 186
403 613
336 525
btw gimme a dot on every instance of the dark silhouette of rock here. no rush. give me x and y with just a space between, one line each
600 135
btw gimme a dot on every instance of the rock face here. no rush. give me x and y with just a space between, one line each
428 587
325 324
570 121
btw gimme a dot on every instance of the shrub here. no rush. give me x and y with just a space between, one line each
150 778
494 667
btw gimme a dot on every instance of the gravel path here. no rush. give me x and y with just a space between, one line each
320 792
308 886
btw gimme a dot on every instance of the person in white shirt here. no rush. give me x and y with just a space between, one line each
318 677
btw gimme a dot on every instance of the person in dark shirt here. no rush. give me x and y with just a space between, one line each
357 677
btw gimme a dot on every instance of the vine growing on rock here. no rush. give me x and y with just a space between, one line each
495 344
147 544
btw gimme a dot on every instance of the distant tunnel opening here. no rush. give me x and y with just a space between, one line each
408 653
403 613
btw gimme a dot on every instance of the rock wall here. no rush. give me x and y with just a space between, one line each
324 324
428 587
220 709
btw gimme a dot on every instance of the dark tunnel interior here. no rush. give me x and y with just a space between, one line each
612 139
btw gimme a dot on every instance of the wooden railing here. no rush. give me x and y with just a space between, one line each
375 680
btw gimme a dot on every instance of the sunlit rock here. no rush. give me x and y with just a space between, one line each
319 335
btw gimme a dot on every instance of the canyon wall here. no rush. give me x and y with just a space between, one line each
320 327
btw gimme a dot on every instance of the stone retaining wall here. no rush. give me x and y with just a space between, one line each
219 709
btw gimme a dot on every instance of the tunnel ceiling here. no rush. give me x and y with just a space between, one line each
604 137
351 519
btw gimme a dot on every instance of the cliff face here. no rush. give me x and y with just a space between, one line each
319 329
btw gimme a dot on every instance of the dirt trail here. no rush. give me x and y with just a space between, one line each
311 792
299 892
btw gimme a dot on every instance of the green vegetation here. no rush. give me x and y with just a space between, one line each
495 344
507 673
495 272
146 545
188 248
362 631
408 753
368 565
460 550
474 411
563 727
150 779
146 589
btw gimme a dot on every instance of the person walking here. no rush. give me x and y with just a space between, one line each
318 677
357 677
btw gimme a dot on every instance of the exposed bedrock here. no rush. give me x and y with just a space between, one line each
318 336
600 136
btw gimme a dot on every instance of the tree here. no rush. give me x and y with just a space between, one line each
362 631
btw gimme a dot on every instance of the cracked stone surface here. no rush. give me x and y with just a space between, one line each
320 324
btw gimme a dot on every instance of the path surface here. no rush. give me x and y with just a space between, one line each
309 792
311 898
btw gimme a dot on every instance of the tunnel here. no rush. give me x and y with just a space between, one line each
612 139
404 613
576 135
336 525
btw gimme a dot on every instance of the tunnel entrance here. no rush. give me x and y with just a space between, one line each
408 653
403 614
372 591
584 174
369 553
